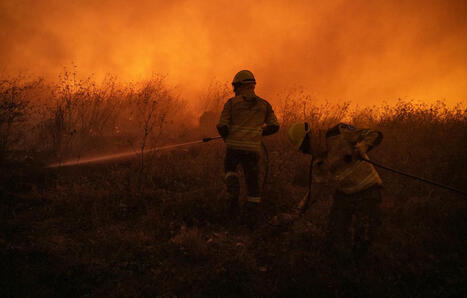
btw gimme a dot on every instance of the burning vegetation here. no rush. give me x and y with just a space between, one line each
157 224
98 198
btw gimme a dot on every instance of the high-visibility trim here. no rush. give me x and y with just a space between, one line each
365 183
243 142
347 172
245 120
357 175
243 145
228 174
362 176
256 200
255 149
368 180
252 131
246 128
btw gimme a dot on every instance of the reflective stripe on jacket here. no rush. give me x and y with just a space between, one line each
245 117
350 174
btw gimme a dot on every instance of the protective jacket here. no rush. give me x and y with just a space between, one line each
341 165
244 118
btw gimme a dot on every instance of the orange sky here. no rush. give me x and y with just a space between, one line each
364 51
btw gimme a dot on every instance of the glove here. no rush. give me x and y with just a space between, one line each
270 129
360 149
223 131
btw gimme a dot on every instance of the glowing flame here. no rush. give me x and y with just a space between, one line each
340 50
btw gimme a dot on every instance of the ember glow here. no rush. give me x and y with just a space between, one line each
363 51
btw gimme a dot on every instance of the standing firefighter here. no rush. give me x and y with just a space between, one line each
357 185
245 119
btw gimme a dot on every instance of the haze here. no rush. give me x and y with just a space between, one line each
363 51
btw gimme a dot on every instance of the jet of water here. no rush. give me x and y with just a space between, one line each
127 154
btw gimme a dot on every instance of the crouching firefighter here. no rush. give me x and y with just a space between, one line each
356 184
245 119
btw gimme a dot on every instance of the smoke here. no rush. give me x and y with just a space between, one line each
364 51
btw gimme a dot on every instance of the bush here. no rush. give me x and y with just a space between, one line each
157 224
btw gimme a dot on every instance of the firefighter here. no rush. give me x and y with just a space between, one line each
357 186
245 119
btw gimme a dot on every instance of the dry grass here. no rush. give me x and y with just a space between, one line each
100 230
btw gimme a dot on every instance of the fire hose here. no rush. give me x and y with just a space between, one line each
303 204
376 164
288 218
109 157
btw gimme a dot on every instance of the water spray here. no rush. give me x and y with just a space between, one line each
123 155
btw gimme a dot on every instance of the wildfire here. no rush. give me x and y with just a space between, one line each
339 50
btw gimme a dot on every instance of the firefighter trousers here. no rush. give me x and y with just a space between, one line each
249 161
353 223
